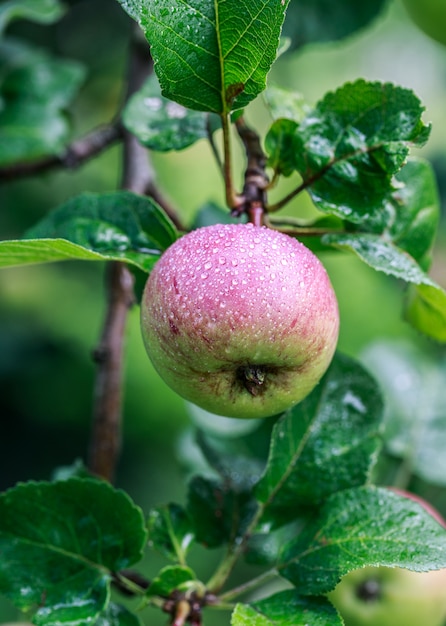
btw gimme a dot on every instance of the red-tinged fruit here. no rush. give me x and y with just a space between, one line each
240 320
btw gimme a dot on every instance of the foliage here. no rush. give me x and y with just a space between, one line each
304 508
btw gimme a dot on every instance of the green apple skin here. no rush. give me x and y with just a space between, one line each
429 16
240 320
391 596
404 598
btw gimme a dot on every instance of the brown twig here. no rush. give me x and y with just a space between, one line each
77 153
105 442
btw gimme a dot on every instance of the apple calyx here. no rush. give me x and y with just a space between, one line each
369 590
252 377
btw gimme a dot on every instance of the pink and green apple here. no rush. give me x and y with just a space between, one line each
240 320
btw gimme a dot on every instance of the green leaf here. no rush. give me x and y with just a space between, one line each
219 514
359 527
170 531
425 305
415 421
286 609
171 578
380 254
44 11
160 124
35 90
425 309
119 226
283 103
326 443
264 548
60 567
116 615
211 56
310 21
238 466
279 144
18 252
351 145
417 210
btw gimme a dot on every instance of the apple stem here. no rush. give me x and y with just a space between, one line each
252 200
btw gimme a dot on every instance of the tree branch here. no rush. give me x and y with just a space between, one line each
77 153
105 443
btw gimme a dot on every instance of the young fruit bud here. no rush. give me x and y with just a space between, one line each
240 320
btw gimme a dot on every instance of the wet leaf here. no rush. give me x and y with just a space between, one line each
417 210
159 123
60 567
283 103
415 422
324 444
170 531
350 146
425 305
381 254
119 226
286 608
279 144
212 56
425 309
171 578
35 91
219 513
359 527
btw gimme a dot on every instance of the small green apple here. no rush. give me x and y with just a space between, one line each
386 596
240 320
429 16
391 596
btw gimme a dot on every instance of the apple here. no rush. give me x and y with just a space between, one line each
429 16
391 596
240 320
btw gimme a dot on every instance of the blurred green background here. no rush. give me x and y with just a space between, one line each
51 316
